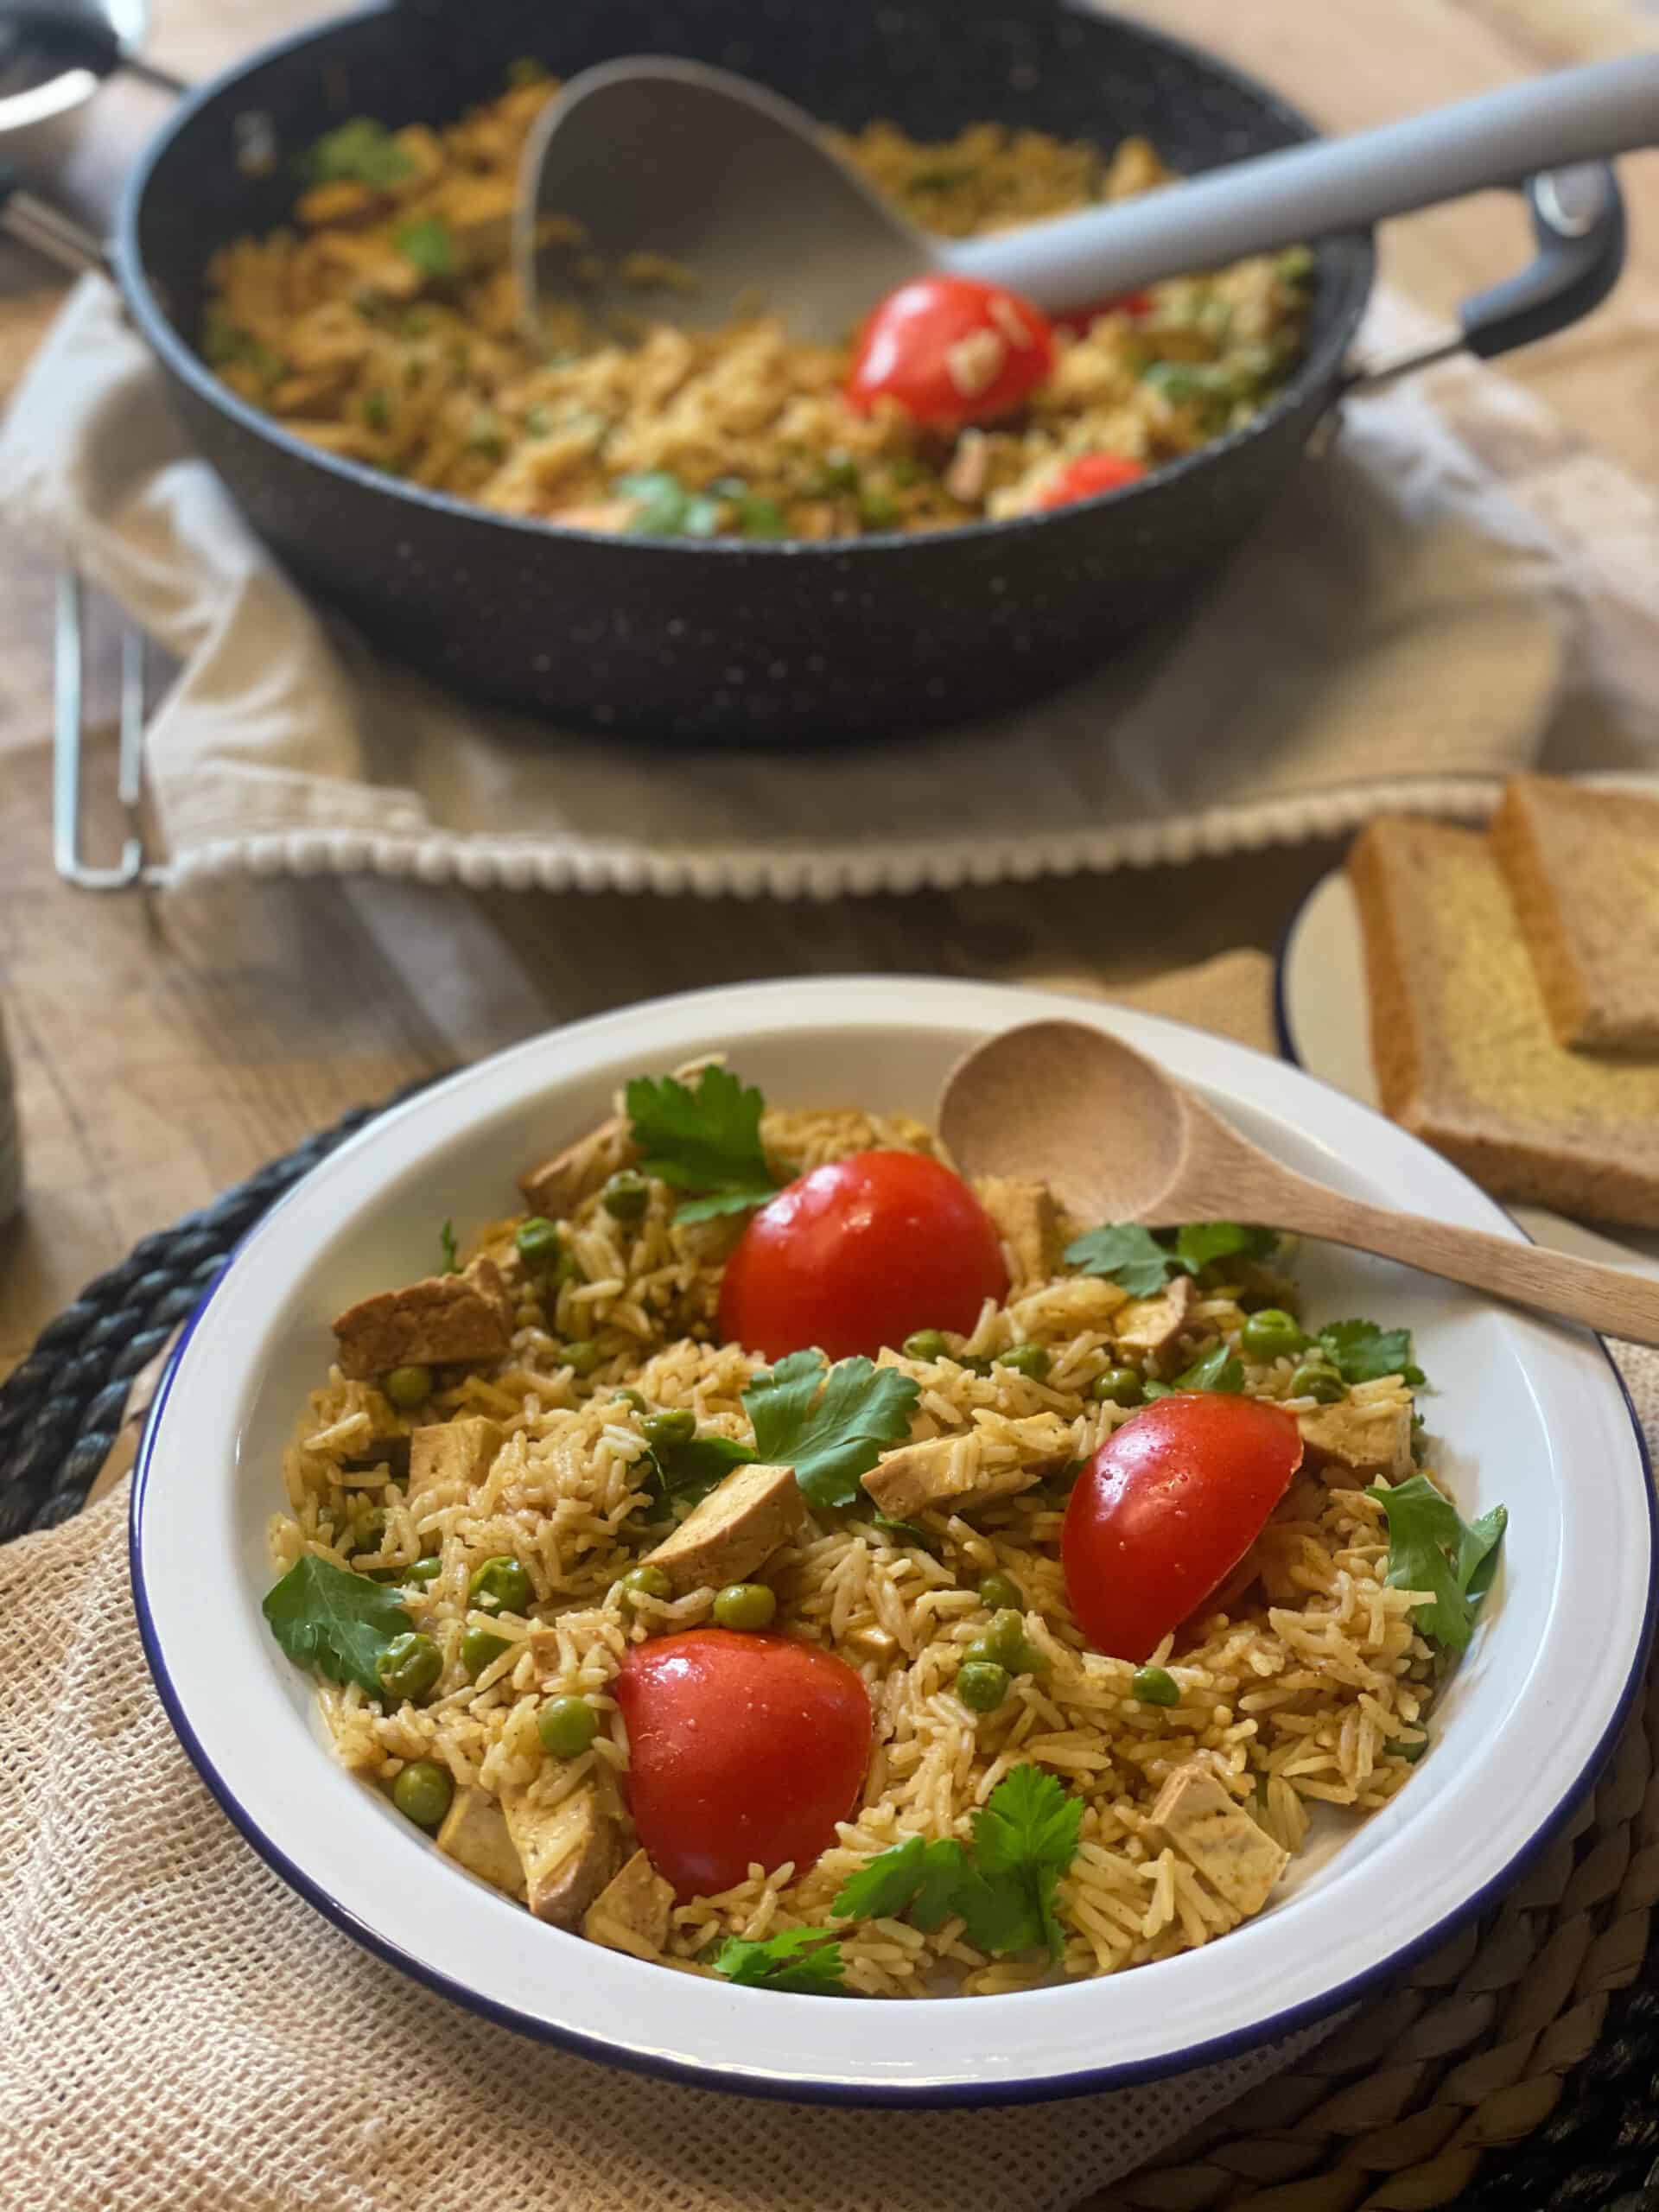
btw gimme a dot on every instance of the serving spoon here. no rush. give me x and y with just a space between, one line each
655 153
1116 1139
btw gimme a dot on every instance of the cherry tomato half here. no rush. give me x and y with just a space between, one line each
859 1253
1166 1508
1090 474
951 350
742 1750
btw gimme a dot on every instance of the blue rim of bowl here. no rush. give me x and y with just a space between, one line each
1044 2089
1321 367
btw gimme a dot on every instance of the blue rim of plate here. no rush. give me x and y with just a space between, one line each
1045 2089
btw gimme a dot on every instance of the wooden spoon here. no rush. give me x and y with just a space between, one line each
1116 1139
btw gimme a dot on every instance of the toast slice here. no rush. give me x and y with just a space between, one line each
1583 871
1464 1054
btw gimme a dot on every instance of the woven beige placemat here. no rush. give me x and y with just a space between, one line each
182 2033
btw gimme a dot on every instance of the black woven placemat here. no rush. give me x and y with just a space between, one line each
59 1413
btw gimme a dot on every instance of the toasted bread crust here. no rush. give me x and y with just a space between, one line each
1465 1053
1582 869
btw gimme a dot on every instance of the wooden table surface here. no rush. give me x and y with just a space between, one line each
165 1045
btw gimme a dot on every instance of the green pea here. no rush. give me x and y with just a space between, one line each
1001 1593
1032 1360
1003 1640
370 1531
745 1605
478 1647
1118 1386
1272 1334
1064 1480
982 1684
500 1585
582 1356
647 1582
1410 1752
664 1430
408 1666
423 1572
539 1241
1155 1686
877 510
626 1195
567 1725
1315 1378
974 1363
925 1343
409 1386
423 1791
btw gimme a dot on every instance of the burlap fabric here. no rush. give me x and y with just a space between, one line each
182 2033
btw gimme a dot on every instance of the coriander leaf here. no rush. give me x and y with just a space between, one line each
944 1867
1430 1548
1215 1369
702 1136
1001 1914
1026 1836
427 243
685 1473
361 151
832 1439
1126 1255
663 507
805 1959
448 1246
722 1202
1361 1352
1201 1242
884 1886
915 1876
335 1622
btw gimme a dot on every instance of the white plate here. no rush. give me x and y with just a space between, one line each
1320 1006
1534 1414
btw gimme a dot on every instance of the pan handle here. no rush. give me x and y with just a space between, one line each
33 222
1578 220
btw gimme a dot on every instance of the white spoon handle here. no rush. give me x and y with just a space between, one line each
1330 186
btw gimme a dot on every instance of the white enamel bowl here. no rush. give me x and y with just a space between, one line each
1533 1414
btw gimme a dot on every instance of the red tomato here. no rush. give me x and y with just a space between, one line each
951 350
1078 320
858 1253
1091 473
1166 1508
742 1749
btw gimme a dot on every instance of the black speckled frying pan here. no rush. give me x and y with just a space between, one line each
761 643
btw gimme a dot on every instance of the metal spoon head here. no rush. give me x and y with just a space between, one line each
653 155
1062 1103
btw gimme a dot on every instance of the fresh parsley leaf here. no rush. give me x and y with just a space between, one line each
684 1473
335 1622
1027 1835
663 507
448 1246
1432 1548
1141 1262
1215 1369
1024 1839
702 1136
1361 1352
834 1434
1201 1242
915 1876
428 244
805 1959
1126 1255
361 151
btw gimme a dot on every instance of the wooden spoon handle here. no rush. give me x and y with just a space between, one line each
1615 1300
